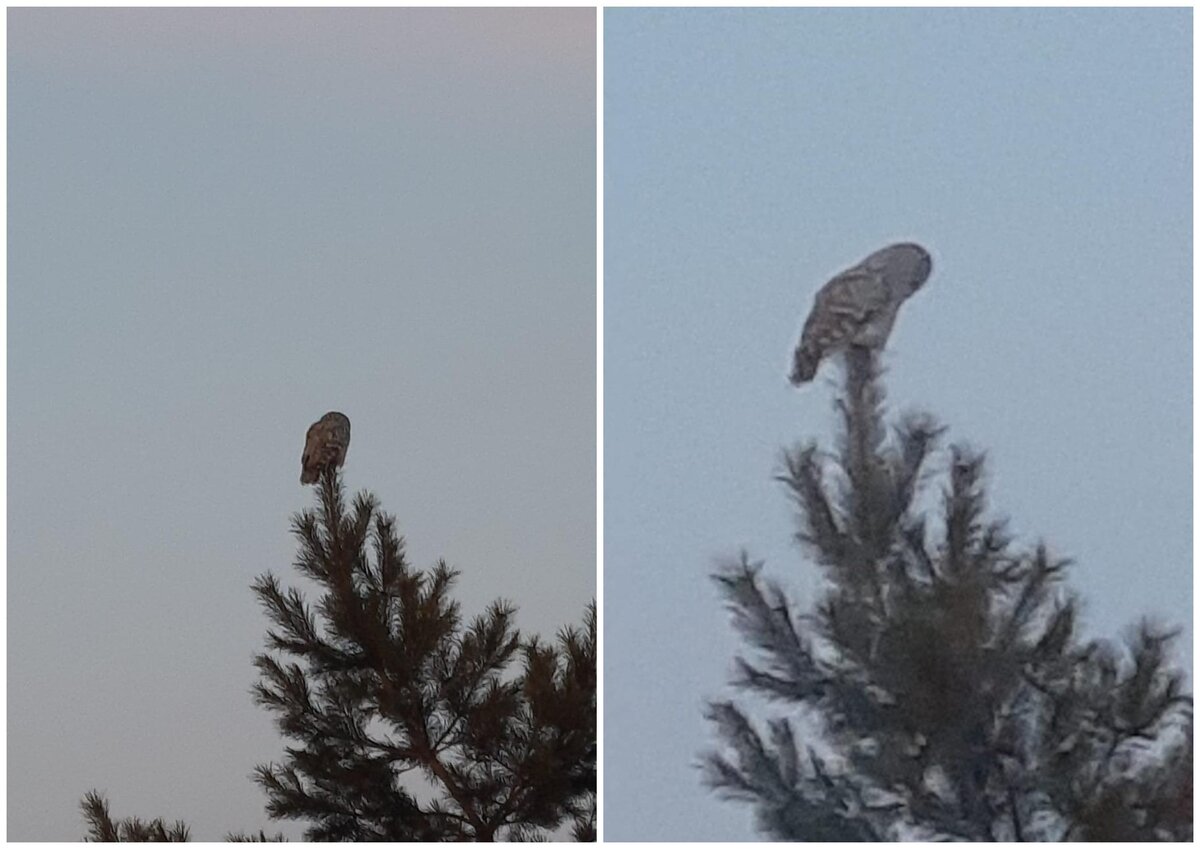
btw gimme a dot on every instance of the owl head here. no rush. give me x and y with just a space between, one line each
904 266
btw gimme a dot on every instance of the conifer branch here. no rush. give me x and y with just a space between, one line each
939 686
395 682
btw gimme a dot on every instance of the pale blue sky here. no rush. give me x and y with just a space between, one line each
1044 157
222 224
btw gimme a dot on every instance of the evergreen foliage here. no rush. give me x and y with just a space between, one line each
102 828
939 688
261 837
406 722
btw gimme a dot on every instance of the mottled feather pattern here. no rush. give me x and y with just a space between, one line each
325 445
859 306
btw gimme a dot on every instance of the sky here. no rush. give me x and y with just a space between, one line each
223 223
1045 159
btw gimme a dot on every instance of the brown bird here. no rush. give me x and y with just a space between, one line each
325 445
858 307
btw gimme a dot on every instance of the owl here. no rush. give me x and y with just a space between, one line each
859 306
325 445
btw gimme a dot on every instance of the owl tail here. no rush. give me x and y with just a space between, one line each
804 367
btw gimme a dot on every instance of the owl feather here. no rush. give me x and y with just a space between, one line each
325 446
858 306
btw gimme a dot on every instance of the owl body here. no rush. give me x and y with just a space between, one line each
858 307
325 445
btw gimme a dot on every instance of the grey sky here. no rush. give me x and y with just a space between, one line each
222 224
1044 157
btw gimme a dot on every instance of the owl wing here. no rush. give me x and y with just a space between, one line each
311 458
313 440
843 307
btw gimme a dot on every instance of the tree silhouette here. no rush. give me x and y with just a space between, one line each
407 723
102 828
939 687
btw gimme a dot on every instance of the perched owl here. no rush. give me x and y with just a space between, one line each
325 445
859 306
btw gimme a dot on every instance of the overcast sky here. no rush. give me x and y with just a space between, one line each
222 224
1045 159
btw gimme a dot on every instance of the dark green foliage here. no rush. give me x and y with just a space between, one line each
103 829
406 722
939 688
261 837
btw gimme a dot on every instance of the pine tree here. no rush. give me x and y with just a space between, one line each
939 688
407 723
102 828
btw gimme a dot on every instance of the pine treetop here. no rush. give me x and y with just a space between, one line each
939 688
